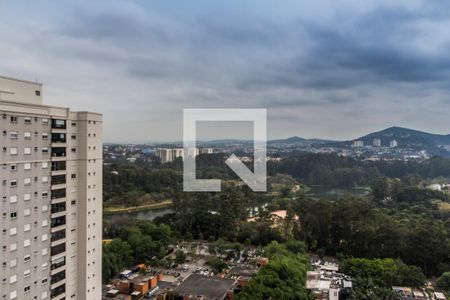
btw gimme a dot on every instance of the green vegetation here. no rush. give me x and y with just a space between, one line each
283 278
131 185
216 264
139 242
387 271
443 282
397 233
116 255
343 172
358 228
180 257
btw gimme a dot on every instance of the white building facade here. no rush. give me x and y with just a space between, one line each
51 172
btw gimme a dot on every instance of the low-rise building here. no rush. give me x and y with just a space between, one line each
206 288
326 283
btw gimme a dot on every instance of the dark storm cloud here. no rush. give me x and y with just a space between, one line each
318 63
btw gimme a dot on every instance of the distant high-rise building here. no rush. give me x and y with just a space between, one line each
358 144
393 144
377 142
166 155
206 151
51 168
170 154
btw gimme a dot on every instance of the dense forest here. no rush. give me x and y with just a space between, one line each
399 226
127 183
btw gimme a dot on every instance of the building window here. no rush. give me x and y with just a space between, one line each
45 136
13 135
58 137
13 199
44 121
13 183
27 120
13 150
13 278
26 273
13 119
13 263
13 295
37 92
27 151
13 247
13 167
27 135
13 231
58 124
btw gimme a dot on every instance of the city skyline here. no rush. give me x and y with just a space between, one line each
332 70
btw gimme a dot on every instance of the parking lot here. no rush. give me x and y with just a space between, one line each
180 273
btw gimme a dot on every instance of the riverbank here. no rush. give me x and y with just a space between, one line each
122 210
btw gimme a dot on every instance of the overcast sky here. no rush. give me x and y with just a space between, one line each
326 69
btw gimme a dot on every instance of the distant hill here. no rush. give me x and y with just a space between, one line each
291 141
437 144
406 138
296 140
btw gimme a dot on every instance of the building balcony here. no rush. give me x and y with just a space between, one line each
60 172
58 214
59 124
58 166
58 138
58 249
58 152
57 228
57 237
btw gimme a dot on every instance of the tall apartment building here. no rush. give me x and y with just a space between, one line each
51 197
166 155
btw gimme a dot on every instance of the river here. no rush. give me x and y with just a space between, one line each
149 214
